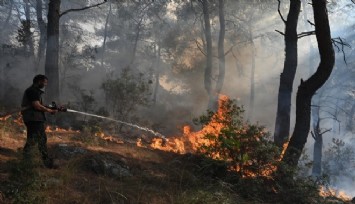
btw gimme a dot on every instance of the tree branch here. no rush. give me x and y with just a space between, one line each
278 10
339 43
280 32
304 34
325 131
312 24
198 46
230 50
314 137
81 9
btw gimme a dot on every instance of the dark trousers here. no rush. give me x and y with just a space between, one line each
36 134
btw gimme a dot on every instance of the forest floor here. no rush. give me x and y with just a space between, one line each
93 170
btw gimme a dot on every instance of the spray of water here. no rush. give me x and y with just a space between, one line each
119 121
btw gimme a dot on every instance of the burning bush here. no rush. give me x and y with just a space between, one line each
244 147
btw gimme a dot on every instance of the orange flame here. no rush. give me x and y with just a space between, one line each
4 118
191 141
50 129
108 138
328 192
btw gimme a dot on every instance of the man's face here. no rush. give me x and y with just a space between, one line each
42 84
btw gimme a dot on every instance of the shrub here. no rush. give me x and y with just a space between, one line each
243 146
125 94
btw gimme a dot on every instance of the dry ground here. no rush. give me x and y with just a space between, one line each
92 170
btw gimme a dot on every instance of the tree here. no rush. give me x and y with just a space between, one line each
105 36
317 135
8 16
208 38
28 42
42 30
308 88
221 54
52 52
282 124
124 94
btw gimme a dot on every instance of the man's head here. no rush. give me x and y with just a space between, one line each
40 81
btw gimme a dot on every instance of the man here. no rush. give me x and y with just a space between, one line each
34 118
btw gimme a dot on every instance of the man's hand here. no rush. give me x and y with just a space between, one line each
51 111
38 106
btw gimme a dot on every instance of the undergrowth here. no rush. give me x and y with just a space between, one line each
247 151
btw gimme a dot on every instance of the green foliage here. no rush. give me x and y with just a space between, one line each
85 100
300 190
125 94
337 160
243 146
22 33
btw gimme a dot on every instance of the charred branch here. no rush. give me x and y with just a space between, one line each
304 34
312 24
81 9
199 47
280 32
278 10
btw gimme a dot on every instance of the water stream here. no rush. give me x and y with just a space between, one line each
119 121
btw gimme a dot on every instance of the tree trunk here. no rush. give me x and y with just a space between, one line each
309 41
42 31
135 44
208 36
317 155
29 42
52 52
105 36
252 79
318 140
7 20
282 124
307 89
221 55
350 120
157 76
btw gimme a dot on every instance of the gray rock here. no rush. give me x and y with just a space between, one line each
105 165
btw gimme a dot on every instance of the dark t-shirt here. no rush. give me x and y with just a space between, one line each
30 114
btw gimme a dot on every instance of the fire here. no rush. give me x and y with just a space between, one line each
175 145
50 129
328 192
284 147
191 141
4 118
108 138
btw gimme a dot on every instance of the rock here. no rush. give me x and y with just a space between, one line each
66 151
105 165
52 182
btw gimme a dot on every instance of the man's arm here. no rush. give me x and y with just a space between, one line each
38 106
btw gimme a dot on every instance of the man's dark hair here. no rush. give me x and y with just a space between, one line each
39 77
